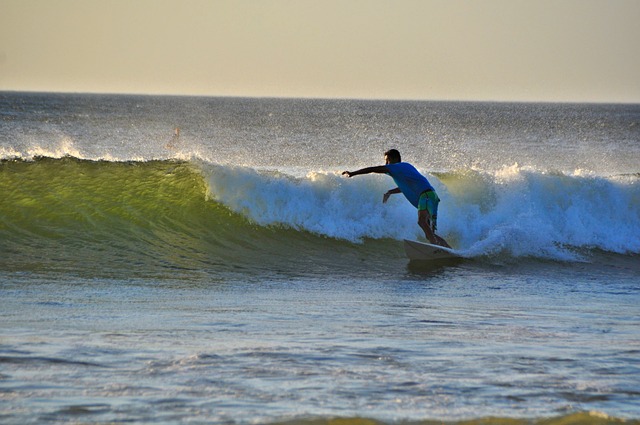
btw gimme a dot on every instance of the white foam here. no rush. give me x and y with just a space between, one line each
521 211
543 214
323 203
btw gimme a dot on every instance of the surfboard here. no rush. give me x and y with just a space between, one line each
425 251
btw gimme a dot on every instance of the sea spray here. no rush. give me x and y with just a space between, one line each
530 213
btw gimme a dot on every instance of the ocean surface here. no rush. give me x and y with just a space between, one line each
170 260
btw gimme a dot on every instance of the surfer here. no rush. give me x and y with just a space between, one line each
175 139
414 186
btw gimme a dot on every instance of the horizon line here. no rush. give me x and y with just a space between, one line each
345 98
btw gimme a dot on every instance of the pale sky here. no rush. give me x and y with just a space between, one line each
523 50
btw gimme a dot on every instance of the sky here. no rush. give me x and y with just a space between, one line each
497 50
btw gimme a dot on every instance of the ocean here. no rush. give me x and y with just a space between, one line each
170 260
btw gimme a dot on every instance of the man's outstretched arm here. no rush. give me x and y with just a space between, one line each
382 169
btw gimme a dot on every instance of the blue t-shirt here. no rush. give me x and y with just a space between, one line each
409 181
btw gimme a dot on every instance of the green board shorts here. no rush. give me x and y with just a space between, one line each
429 201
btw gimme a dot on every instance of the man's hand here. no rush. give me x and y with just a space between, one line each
347 173
385 197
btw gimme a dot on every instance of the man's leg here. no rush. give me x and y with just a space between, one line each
424 221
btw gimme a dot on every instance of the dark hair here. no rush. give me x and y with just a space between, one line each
393 155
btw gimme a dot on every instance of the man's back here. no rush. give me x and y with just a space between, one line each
409 181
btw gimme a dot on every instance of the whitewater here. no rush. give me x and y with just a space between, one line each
185 259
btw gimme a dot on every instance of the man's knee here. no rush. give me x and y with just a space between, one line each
425 225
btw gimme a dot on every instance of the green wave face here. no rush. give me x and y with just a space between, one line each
68 212
141 218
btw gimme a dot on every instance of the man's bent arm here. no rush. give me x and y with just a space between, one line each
385 197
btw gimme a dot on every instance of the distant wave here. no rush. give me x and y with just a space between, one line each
193 213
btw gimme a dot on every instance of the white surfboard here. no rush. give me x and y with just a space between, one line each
425 251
